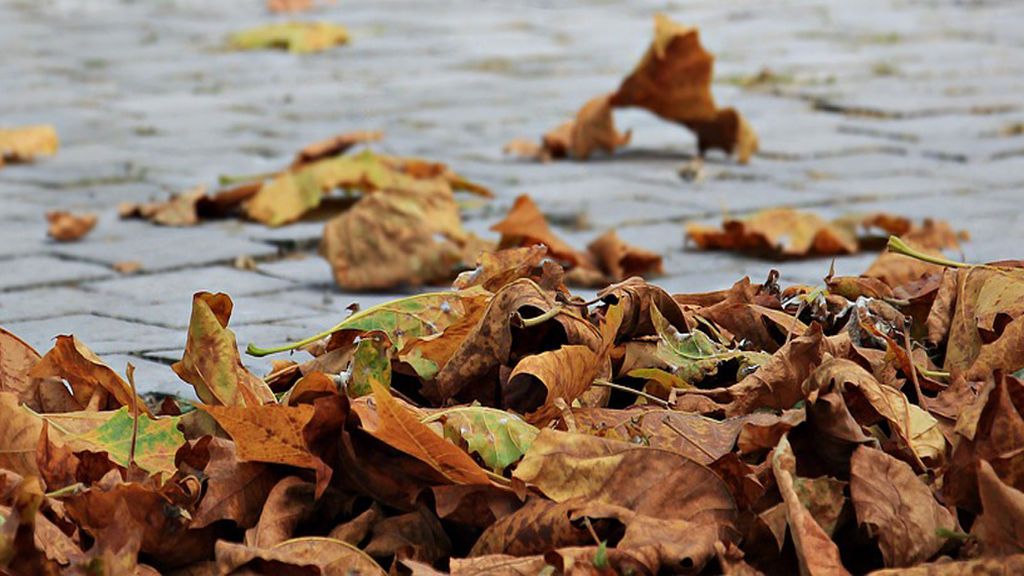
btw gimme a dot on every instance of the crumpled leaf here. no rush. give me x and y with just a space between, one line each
497 437
235 490
619 260
68 226
593 129
897 507
26 143
19 437
777 231
16 360
817 554
211 363
673 80
333 146
396 237
525 225
295 37
93 383
998 528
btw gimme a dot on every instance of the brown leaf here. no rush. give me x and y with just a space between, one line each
274 434
68 227
417 535
334 145
1005 566
993 431
817 553
897 507
999 527
310 555
496 269
179 210
931 237
289 502
19 437
619 260
396 237
539 379
592 129
525 225
398 428
88 376
16 360
673 80
778 231
235 490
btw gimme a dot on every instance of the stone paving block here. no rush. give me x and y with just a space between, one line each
247 310
38 271
161 247
151 377
306 269
182 284
39 303
102 335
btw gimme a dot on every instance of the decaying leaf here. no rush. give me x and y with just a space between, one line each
211 363
68 227
295 37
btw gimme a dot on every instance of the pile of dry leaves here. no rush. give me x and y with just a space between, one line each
508 427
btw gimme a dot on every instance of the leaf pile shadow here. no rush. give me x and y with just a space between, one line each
508 427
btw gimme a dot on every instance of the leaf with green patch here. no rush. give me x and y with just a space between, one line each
694 355
401 320
155 445
372 359
296 37
498 437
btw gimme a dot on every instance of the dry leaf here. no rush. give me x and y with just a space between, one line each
295 37
68 227
26 143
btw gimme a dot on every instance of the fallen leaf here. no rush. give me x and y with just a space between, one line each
127 266
673 80
19 437
593 129
273 434
816 552
295 37
525 225
211 363
235 490
619 260
897 508
998 528
396 237
333 146
16 360
499 438
401 430
91 380
26 143
779 231
69 227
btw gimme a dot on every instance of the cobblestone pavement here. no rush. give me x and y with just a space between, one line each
910 106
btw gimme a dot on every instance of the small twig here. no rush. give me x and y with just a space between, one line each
932 373
590 528
130 372
683 435
913 367
640 393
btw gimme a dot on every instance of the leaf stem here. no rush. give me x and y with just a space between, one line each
898 246
258 352
640 393
229 179
528 322
69 489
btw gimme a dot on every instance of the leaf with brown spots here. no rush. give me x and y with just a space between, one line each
16 360
211 363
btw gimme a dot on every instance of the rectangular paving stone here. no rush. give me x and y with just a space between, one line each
33 271
102 335
180 285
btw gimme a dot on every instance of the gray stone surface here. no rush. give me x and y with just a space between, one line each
908 107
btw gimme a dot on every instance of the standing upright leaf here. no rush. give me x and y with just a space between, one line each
88 376
211 363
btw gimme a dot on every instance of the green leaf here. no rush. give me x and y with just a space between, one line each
401 320
155 446
296 37
601 556
370 360
694 355
498 437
